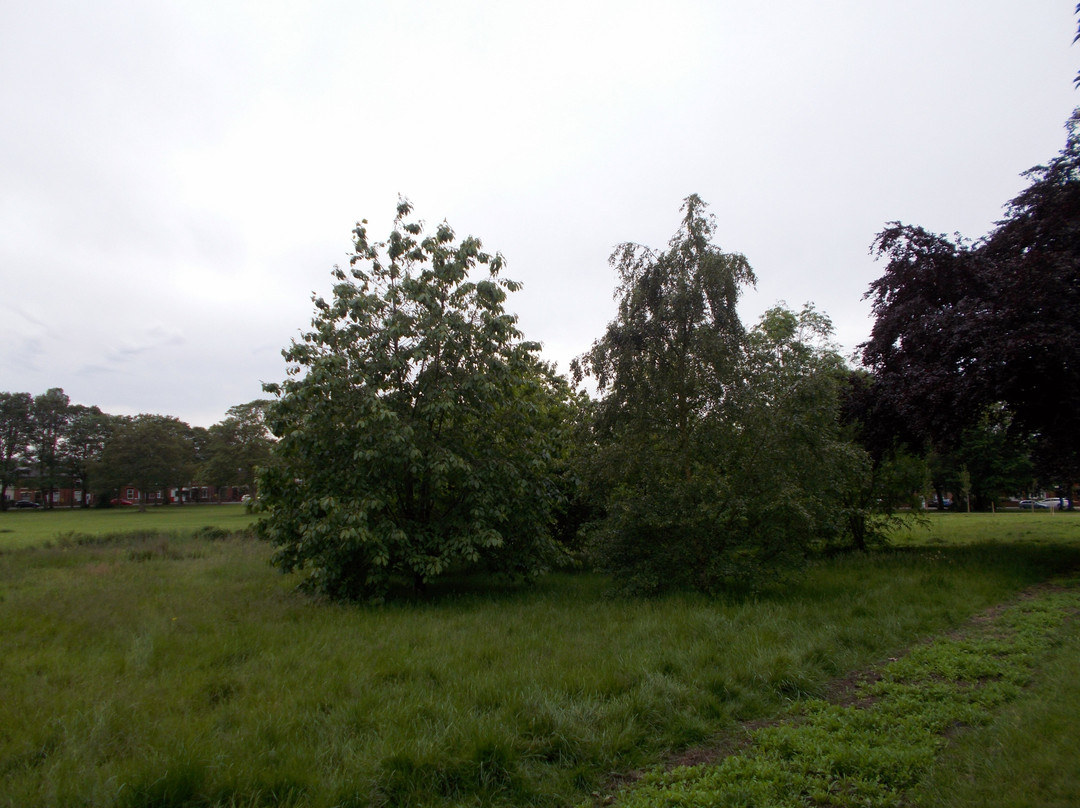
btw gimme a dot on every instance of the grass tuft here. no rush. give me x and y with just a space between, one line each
180 785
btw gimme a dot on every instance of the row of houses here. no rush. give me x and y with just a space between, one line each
128 495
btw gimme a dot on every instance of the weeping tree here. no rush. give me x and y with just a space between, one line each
418 433
716 452
667 369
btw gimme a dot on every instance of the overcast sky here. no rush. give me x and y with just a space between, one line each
176 179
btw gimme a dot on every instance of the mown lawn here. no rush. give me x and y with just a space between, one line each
168 669
25 528
1006 527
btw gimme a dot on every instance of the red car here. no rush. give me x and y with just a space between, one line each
116 501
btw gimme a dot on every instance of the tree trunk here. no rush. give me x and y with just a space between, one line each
857 523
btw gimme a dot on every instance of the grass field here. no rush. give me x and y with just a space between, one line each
27 528
1045 527
166 669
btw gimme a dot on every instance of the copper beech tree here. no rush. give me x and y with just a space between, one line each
965 329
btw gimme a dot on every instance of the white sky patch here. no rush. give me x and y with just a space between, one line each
177 179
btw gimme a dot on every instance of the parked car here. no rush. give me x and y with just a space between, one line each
1056 503
1033 505
118 501
25 503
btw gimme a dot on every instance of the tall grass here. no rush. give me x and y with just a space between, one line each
160 670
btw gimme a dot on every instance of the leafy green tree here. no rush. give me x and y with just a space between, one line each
15 435
150 452
997 459
88 430
237 447
965 487
50 416
818 482
200 453
418 434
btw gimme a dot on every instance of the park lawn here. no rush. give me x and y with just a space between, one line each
167 669
1005 527
29 528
